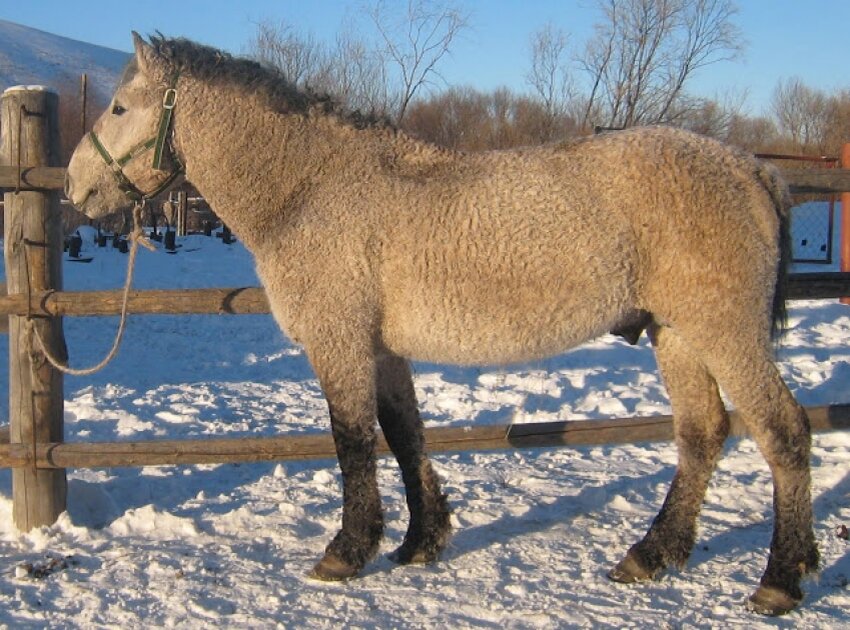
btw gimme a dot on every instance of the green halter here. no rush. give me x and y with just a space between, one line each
158 143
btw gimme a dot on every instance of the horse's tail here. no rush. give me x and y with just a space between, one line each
780 196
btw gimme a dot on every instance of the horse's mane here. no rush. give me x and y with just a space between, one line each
214 66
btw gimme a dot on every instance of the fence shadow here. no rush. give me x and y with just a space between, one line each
542 517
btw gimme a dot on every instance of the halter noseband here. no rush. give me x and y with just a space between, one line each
158 143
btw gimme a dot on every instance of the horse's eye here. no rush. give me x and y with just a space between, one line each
117 110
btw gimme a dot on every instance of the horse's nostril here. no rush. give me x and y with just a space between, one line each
68 188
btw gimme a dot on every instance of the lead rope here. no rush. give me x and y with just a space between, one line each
137 237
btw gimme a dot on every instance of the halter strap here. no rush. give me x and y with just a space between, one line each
158 143
169 100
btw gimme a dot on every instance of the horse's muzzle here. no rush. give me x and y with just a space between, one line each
77 200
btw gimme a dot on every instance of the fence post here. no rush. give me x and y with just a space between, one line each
845 219
33 254
182 212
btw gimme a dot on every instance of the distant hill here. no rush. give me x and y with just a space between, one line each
29 57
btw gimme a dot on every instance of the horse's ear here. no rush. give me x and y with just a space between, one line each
146 57
143 49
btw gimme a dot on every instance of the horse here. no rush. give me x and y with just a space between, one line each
375 249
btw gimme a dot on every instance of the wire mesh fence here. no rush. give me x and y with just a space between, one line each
813 223
813 229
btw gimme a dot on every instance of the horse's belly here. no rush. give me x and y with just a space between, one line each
489 337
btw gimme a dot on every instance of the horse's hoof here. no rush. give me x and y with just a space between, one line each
771 601
403 555
332 569
629 571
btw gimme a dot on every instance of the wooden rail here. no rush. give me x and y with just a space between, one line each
800 180
252 300
817 180
307 447
32 177
808 286
235 301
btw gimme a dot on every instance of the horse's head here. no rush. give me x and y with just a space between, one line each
128 155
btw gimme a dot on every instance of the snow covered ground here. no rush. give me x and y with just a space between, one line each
536 530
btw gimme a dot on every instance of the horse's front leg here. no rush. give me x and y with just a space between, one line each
346 371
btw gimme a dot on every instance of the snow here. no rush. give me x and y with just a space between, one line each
535 530
28 88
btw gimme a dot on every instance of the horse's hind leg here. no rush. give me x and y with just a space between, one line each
780 427
398 414
700 426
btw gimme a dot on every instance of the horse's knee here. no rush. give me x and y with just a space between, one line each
402 428
701 423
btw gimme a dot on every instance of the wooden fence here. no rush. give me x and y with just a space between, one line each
35 449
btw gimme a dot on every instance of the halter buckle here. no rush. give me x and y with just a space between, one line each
169 99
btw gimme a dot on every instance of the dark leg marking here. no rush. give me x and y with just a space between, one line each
348 383
398 414
362 520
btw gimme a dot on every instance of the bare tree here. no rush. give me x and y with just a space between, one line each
715 117
644 52
707 35
838 132
802 113
754 134
549 76
348 69
415 42
298 56
596 61
358 74
470 120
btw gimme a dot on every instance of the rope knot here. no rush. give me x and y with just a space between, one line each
138 233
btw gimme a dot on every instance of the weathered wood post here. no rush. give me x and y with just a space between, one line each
33 253
182 212
845 220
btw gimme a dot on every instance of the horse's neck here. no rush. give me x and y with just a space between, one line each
247 161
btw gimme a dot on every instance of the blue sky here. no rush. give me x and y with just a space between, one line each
785 38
